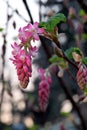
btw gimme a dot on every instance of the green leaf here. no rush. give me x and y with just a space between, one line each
52 22
84 36
55 59
65 113
82 12
43 24
84 60
85 90
77 50
69 51
60 61
1 29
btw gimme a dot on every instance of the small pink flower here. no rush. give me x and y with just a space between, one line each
16 49
30 32
82 76
35 31
44 91
49 79
41 73
33 51
24 35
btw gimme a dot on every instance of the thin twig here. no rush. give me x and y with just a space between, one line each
70 75
17 12
28 10
40 10
72 101
64 55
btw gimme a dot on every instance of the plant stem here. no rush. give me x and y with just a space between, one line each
64 56
28 10
72 101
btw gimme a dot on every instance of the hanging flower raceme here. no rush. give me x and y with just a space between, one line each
82 76
44 89
22 60
23 52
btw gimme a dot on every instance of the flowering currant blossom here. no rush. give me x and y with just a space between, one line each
82 76
23 52
30 32
16 49
22 60
33 51
44 89
24 35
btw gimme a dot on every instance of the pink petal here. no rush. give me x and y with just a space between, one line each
25 68
40 30
35 25
36 37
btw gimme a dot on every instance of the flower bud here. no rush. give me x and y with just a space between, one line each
82 76
44 91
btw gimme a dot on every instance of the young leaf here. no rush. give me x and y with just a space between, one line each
52 22
43 24
54 59
84 60
60 61
68 52
71 50
77 50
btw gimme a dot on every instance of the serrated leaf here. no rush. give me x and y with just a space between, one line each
60 61
84 60
77 50
69 51
55 59
52 22
43 24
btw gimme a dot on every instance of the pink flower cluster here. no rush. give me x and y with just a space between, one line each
23 52
82 76
44 89
30 32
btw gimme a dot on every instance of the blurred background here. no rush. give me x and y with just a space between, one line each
19 109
